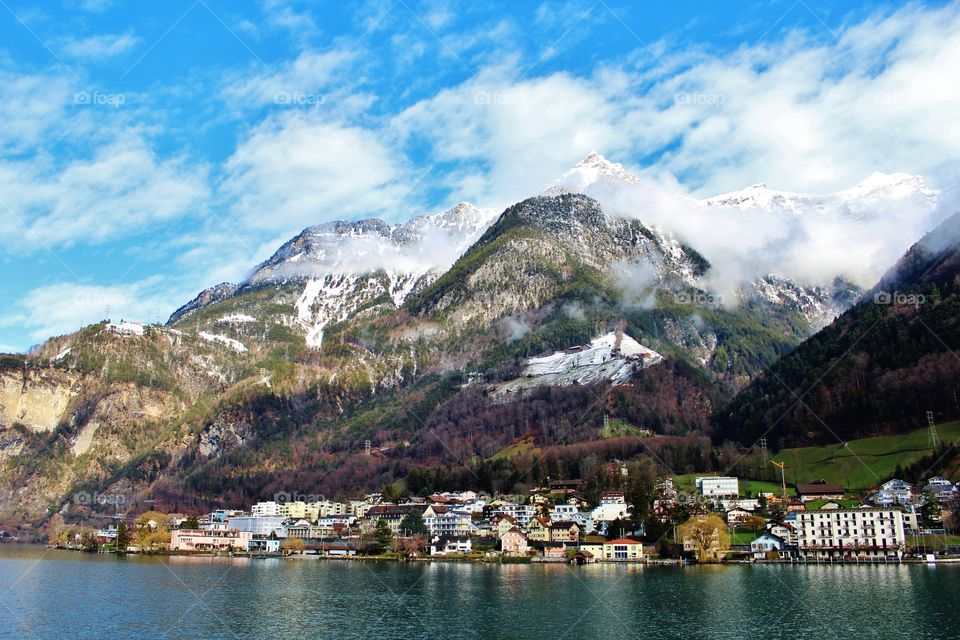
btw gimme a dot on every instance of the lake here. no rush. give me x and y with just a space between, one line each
54 594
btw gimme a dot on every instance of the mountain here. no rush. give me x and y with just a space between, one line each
470 346
339 268
205 298
878 368
818 300
864 200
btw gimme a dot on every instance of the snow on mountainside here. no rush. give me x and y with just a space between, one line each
859 202
612 357
879 194
344 266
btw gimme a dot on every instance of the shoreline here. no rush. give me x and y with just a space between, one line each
518 560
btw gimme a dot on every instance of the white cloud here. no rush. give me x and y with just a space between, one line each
123 189
523 133
31 107
295 170
306 81
797 114
61 308
99 47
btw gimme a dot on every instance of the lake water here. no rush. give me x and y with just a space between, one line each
62 594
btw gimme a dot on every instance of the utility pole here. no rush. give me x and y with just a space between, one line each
763 448
934 439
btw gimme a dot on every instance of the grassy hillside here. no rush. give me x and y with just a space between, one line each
864 463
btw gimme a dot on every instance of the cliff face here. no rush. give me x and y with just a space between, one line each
37 399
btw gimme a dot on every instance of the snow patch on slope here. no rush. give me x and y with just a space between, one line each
236 345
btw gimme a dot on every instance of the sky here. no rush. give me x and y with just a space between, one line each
151 149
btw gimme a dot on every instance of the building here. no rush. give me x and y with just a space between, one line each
893 492
259 526
538 530
297 509
613 506
842 533
565 487
514 543
200 540
265 509
522 513
623 550
446 523
358 508
264 545
820 490
762 546
392 514
738 516
941 488
564 531
441 546
572 513
718 487
783 530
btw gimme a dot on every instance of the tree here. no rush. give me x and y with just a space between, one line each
152 529
293 545
413 525
756 523
707 535
88 539
931 511
191 522
56 530
382 534
123 536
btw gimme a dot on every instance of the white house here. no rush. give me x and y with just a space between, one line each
265 509
613 506
522 513
765 543
440 546
716 487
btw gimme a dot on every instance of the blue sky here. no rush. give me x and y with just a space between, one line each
150 149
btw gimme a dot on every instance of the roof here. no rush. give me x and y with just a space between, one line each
623 541
767 534
819 488
563 524
392 510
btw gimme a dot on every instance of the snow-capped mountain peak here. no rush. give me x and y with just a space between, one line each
857 201
591 171
343 266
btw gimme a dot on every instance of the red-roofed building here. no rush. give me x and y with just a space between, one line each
623 550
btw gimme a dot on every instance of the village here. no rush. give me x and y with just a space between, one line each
819 523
